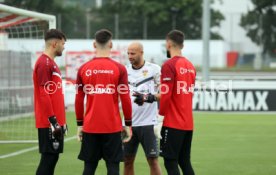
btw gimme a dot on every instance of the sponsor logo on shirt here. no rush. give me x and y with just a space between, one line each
102 91
89 72
145 73
185 70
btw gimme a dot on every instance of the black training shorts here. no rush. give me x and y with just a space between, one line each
96 146
175 143
47 144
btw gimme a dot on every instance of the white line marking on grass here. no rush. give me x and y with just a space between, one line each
18 152
29 149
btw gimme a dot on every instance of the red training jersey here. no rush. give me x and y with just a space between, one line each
48 94
102 81
177 85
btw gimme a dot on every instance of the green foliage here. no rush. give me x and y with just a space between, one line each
260 24
73 22
160 17
43 6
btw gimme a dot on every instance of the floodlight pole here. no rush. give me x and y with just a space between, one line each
145 27
88 10
117 18
206 40
259 55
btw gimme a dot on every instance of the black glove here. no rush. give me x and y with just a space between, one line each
150 98
141 98
57 131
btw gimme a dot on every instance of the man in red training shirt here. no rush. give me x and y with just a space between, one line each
177 84
103 81
49 103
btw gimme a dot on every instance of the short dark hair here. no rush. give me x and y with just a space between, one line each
103 36
176 36
54 34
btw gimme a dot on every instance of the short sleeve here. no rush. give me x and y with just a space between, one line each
157 75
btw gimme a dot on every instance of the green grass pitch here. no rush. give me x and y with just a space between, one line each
223 144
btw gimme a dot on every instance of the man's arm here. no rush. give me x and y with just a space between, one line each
157 82
46 87
46 102
79 110
126 104
79 105
125 97
167 83
44 79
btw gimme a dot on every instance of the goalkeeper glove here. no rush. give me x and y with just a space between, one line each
55 127
79 133
141 98
157 128
126 134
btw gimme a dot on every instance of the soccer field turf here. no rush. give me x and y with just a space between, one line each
223 144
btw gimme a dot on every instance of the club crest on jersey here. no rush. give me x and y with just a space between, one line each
145 73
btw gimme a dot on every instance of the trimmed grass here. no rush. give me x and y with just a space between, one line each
228 144
18 129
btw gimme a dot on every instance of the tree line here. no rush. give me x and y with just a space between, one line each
152 19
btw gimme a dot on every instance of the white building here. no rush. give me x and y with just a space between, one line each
230 28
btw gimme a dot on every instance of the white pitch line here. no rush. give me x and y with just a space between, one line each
18 152
29 149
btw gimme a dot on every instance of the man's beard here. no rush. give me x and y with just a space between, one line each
168 54
58 53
